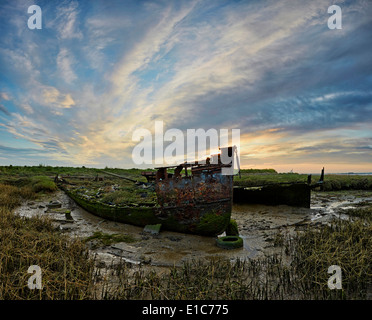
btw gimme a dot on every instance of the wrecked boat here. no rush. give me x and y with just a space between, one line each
195 198
296 194
291 194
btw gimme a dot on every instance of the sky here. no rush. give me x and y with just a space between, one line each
73 92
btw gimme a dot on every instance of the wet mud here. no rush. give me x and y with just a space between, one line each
258 225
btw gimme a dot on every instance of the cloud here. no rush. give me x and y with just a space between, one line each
20 61
4 96
56 99
24 151
64 65
27 108
67 21
4 110
144 51
103 33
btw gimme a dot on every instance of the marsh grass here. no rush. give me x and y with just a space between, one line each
42 184
65 263
26 188
332 182
11 196
364 212
345 243
249 177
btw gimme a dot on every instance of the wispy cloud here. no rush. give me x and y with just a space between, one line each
65 65
66 20
52 97
4 110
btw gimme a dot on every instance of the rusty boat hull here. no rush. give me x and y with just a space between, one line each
188 205
195 198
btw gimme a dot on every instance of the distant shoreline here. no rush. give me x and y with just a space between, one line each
343 173
354 173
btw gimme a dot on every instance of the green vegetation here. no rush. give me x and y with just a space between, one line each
332 182
232 228
107 239
249 177
25 171
42 184
211 222
130 195
347 182
262 171
33 184
51 172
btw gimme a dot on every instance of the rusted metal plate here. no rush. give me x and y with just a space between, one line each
189 198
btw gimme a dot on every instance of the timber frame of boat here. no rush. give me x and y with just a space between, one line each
199 202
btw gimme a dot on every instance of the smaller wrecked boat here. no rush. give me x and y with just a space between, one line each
291 194
194 198
295 194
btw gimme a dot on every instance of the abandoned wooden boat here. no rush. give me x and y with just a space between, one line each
197 202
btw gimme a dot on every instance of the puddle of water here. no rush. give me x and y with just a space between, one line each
333 205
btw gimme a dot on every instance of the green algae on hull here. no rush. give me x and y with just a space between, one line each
210 222
232 228
213 224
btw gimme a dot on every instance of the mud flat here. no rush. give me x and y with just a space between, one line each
258 225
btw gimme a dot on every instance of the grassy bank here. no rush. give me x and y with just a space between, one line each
249 177
10 172
332 182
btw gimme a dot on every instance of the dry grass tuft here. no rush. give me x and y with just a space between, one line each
65 263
